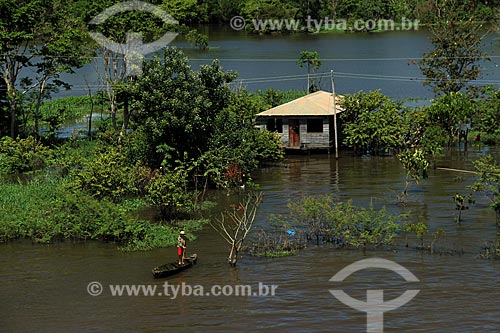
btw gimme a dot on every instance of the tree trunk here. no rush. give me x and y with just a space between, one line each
407 185
113 110
13 118
91 113
233 255
335 4
37 107
126 116
9 77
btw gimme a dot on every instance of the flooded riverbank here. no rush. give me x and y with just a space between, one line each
44 287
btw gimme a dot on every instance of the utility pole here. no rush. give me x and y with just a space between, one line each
334 117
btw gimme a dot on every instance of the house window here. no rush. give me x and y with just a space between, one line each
314 125
275 125
271 125
279 125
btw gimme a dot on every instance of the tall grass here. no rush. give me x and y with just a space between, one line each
42 210
73 107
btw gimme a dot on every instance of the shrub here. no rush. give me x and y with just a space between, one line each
168 192
22 155
44 212
342 223
106 176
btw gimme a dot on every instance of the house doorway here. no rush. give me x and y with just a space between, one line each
294 133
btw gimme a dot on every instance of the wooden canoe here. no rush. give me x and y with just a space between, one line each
174 267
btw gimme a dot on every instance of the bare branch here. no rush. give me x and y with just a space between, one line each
236 228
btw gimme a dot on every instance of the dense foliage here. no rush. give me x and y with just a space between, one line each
21 155
44 212
189 130
182 116
489 181
457 29
221 11
177 106
45 37
487 115
327 220
373 122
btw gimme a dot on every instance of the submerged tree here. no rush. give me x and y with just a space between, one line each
487 116
416 166
460 205
450 112
456 33
168 192
489 181
235 225
373 122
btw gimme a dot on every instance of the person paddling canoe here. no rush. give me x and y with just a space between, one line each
181 246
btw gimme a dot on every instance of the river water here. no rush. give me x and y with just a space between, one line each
44 287
361 61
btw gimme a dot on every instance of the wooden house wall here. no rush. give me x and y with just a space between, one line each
307 140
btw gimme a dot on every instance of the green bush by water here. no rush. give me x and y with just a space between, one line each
42 211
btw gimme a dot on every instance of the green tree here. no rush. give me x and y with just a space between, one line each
269 9
420 229
22 155
456 35
176 107
116 29
424 132
187 11
460 204
398 9
64 51
369 226
451 111
237 146
272 97
487 116
223 10
198 40
311 60
342 222
373 122
416 166
41 34
169 193
489 181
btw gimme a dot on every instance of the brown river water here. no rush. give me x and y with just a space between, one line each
44 288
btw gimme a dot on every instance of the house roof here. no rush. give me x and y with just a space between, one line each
319 103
